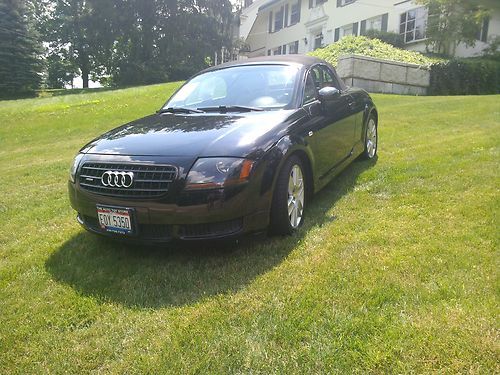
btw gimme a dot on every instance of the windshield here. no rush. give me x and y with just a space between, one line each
257 86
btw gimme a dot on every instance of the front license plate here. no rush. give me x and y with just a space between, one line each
115 219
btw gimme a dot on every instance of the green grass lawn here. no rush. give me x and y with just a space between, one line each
395 271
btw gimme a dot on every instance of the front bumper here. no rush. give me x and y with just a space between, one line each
198 215
160 233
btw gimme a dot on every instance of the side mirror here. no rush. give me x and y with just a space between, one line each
327 94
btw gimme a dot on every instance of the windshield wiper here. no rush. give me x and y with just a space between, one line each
178 110
230 108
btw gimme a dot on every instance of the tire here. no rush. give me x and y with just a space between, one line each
289 198
371 138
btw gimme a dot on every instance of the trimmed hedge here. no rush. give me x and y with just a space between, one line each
473 76
465 77
394 39
361 45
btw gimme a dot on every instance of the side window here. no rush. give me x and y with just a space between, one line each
310 92
317 76
329 79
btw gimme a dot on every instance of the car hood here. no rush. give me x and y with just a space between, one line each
241 134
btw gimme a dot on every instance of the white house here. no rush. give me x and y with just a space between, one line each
274 27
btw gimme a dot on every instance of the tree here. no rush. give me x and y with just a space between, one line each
130 42
156 40
20 65
68 33
60 72
452 22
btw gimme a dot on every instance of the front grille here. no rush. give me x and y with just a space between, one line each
150 180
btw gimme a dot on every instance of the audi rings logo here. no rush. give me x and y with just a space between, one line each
117 179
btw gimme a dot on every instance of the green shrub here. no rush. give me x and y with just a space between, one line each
493 50
465 77
394 39
361 45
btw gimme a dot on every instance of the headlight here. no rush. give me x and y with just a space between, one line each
213 173
74 167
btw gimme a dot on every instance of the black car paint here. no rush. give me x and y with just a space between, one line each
268 137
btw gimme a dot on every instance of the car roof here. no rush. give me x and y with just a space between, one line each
303 60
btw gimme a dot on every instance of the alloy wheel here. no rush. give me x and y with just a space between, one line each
371 138
295 196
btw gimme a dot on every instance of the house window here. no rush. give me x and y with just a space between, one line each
278 19
346 30
293 48
277 51
413 24
318 40
268 52
374 23
295 13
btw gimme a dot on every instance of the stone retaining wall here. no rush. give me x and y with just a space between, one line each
383 76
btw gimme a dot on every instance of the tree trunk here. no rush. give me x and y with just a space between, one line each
85 78
83 59
148 14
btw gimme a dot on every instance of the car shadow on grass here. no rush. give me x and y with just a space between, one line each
183 273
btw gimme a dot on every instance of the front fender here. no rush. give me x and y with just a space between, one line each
279 153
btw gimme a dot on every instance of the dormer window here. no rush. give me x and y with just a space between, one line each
343 3
284 16
278 19
315 3
295 13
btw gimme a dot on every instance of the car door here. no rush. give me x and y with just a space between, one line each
332 125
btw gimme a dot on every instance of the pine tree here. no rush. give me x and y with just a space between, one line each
20 65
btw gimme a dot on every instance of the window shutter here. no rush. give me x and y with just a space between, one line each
310 4
270 21
339 3
337 34
282 12
284 49
286 16
385 21
300 5
486 25
362 30
355 29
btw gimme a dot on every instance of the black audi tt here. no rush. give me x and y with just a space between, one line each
240 147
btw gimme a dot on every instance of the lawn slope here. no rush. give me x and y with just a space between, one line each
395 271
